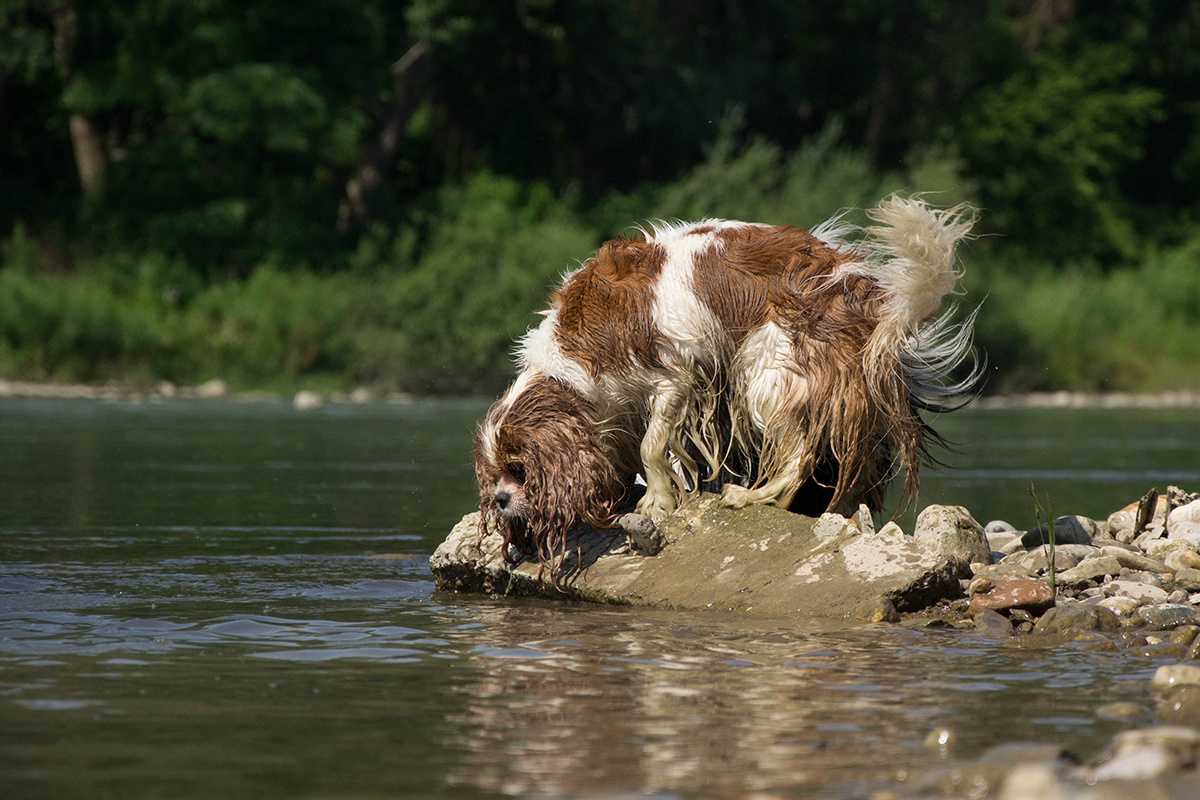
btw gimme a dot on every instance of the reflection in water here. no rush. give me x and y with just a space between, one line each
635 701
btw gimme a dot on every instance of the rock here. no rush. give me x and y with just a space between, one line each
1067 530
1120 605
990 623
1003 594
876 609
829 526
214 389
951 530
1133 560
1002 570
1125 712
307 400
1185 634
644 536
1166 616
1119 524
758 559
1172 675
1070 617
362 396
1188 579
1089 570
1180 743
999 526
1180 559
1142 592
1179 706
1185 513
1187 532
862 519
1035 561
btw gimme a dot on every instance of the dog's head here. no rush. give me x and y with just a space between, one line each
542 471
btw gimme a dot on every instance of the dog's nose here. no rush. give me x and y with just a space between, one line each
502 499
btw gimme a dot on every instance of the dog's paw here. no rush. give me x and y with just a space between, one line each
656 507
734 496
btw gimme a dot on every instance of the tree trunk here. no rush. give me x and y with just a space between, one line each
86 141
410 76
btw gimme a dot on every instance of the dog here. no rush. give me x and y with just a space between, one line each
785 367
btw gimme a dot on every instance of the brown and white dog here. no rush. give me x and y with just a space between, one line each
765 358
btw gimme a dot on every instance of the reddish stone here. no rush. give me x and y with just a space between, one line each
1003 594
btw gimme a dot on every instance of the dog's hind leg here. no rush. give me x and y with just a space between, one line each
663 483
769 397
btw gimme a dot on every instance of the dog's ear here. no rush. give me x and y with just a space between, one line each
570 483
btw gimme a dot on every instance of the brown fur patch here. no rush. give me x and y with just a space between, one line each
604 311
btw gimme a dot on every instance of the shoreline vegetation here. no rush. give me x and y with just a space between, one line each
218 389
434 306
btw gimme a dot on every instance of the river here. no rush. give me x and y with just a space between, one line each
212 599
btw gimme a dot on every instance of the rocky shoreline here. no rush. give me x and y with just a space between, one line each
217 389
1126 585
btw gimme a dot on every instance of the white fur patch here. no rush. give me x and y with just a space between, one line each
677 312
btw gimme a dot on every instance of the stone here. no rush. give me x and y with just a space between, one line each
1185 634
1089 570
1070 617
1179 706
1007 593
876 609
999 526
307 400
863 520
214 389
1067 530
1188 579
1035 561
991 623
1132 560
1185 513
1182 743
1187 532
1181 558
757 559
952 531
1173 675
1119 524
1120 605
1125 712
644 536
1142 592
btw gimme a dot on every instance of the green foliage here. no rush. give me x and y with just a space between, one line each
1048 144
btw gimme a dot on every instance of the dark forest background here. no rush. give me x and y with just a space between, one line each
337 193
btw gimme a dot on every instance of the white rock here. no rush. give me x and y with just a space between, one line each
1185 531
830 525
951 530
1187 513
307 400
1136 764
212 389
1175 675
1141 592
1120 605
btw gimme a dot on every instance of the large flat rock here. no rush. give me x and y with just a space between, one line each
757 559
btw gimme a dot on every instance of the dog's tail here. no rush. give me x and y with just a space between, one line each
910 255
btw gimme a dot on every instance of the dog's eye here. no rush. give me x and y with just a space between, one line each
516 472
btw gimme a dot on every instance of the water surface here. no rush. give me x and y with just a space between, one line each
224 600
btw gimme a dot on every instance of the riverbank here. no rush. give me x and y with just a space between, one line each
218 389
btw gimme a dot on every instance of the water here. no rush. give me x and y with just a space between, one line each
223 600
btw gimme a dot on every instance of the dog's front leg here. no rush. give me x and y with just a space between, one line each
663 484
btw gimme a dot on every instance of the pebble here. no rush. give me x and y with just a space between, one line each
992 623
1070 617
1120 605
1013 592
1182 558
1179 706
1125 712
1089 570
1133 560
1141 592
1188 579
1067 530
1175 675
306 400
1167 616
